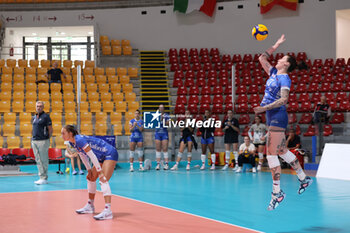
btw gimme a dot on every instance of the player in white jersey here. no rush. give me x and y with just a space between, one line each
257 134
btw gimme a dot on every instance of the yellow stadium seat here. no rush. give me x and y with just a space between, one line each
67 79
86 129
110 71
44 96
25 117
89 79
84 106
66 70
118 96
56 127
45 64
67 87
89 63
6 86
86 117
103 87
99 71
42 70
17 106
7 70
11 63
127 50
30 106
93 96
83 87
101 129
43 87
125 42
23 63
127 87
95 106
124 79
132 72
129 116
101 79
18 96
57 106
88 71
13 142
106 96
127 131
115 117
83 96
117 50
67 63
118 129
106 50
31 96
56 96
104 40
42 78
69 106
8 129
70 118
31 78
10 118
31 70
115 87
1 138
77 63
107 106
18 87
27 142
18 70
34 63
75 73
91 87
56 117
113 79
115 43
59 142
130 96
31 87
121 71
55 87
6 78
101 117
47 105
133 106
2 62
68 96
120 106
59 63
5 96
25 129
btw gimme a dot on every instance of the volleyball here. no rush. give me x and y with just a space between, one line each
260 32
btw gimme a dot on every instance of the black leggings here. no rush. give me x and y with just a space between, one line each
242 159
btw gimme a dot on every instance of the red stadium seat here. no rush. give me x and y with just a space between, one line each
215 59
180 109
196 66
194 90
206 90
329 95
228 65
329 62
218 66
183 52
316 78
301 56
217 90
244 119
223 73
175 67
337 118
217 109
250 66
334 105
303 97
224 81
181 99
340 62
258 80
315 98
242 108
340 96
228 99
189 82
204 51
292 118
207 66
256 57
179 74
292 97
205 59
177 82
254 98
184 59
172 51
225 58
306 118
228 90
185 67
253 89
245 131
344 106
201 74
218 132
236 58
193 52
55 154
305 107
305 78
328 78
317 63
340 78
301 88
212 81
228 107
240 66
262 89
193 99
247 58
327 130
214 51
252 106
246 81
204 107
325 87
190 74
200 82
218 99
205 99
310 131
194 59
193 108
173 59
212 74
338 86
347 86
182 91
293 107
313 87
241 89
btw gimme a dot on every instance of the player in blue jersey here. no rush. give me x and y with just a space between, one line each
136 139
104 157
274 101
162 139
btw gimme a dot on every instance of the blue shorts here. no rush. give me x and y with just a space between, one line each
161 136
188 139
277 118
138 139
113 156
207 141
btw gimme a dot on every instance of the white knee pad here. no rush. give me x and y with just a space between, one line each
165 154
273 161
261 155
213 158
91 185
105 188
140 153
158 155
203 158
227 154
288 157
189 155
179 154
235 153
132 154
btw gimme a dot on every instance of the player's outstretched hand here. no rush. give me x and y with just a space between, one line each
280 41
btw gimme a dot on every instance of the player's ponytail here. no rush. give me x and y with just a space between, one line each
71 129
293 64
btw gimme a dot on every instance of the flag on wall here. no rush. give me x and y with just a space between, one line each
266 5
187 6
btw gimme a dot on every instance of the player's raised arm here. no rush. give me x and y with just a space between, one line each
263 59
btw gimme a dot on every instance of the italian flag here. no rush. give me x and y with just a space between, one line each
187 6
266 5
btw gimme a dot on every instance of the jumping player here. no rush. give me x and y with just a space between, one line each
274 101
136 139
104 157
162 139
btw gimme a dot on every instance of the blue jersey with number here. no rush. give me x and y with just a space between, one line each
164 118
102 149
273 88
136 133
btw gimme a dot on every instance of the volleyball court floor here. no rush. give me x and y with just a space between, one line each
173 201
